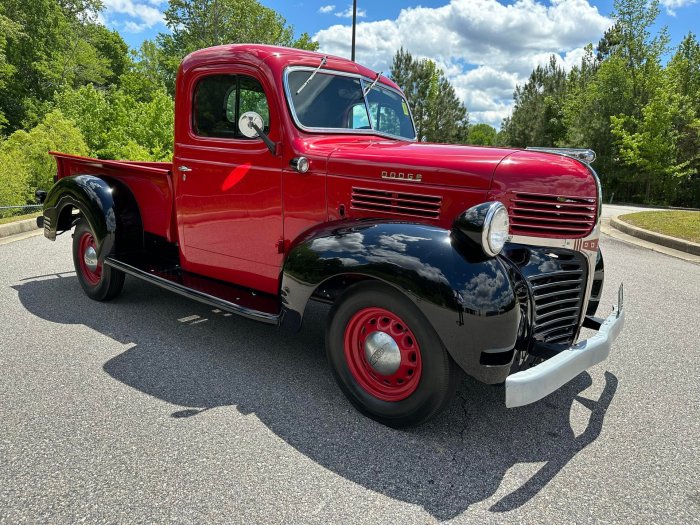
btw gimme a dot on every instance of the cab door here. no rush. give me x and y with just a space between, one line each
229 187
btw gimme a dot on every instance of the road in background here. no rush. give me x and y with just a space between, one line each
153 408
615 210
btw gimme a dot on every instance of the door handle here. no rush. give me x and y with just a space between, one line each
184 169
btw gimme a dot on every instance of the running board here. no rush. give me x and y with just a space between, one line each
224 296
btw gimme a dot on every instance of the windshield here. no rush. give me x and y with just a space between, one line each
335 102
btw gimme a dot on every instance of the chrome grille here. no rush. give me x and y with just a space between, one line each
559 216
396 203
558 298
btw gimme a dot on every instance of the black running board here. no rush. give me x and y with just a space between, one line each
224 296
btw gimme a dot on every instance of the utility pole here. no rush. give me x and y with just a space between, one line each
354 23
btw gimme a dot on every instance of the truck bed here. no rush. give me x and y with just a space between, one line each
150 182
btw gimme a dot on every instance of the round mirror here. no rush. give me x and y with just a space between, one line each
245 124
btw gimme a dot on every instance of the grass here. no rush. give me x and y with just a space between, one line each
681 224
6 220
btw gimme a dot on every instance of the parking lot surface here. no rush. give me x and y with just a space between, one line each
153 408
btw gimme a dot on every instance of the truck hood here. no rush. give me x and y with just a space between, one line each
437 164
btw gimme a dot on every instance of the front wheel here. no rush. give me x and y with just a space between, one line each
99 282
386 357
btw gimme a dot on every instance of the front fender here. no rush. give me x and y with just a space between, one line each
468 299
93 197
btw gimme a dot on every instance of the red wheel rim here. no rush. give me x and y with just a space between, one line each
398 384
87 243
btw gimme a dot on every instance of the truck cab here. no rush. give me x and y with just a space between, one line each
298 176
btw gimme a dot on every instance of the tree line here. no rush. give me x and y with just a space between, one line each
632 99
70 84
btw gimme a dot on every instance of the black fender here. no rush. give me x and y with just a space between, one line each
109 208
468 298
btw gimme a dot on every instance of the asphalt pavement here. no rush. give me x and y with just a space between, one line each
153 408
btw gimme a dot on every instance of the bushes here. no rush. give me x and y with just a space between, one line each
104 123
25 163
117 125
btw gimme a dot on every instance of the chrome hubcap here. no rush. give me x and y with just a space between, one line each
90 258
382 353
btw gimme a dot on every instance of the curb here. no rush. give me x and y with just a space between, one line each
656 238
13 228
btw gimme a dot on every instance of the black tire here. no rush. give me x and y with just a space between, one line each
439 375
102 285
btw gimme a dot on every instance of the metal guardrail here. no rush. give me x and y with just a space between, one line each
16 211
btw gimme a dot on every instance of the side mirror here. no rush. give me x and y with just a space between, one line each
251 125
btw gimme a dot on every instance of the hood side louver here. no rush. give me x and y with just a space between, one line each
396 203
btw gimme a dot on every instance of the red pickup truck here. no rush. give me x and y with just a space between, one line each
298 176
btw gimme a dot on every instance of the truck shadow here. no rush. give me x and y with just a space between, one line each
195 358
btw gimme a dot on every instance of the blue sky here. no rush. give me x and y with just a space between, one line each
485 47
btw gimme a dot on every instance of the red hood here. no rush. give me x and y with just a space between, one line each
544 173
454 178
438 164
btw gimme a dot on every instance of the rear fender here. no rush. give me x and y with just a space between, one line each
467 297
108 207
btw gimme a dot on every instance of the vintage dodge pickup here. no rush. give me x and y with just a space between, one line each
298 177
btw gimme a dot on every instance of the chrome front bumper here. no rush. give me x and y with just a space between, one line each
528 386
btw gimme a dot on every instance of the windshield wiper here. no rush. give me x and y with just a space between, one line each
323 63
374 83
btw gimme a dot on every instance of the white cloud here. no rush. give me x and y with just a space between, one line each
485 47
145 14
326 9
361 13
133 27
672 5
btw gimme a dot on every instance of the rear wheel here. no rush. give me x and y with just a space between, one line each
387 358
99 282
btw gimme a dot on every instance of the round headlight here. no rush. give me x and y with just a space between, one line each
495 232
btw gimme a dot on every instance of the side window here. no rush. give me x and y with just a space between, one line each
220 100
253 98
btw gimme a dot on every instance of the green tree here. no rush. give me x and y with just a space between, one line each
684 69
112 48
118 125
649 144
482 135
683 79
140 130
438 114
610 42
597 92
56 45
14 179
25 163
8 30
538 115
146 73
196 24
620 86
